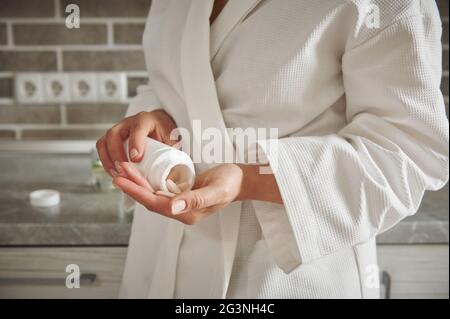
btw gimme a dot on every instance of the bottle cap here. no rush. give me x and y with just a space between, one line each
44 198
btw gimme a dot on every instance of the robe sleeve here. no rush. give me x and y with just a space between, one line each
145 100
343 189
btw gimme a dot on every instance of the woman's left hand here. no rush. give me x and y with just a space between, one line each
213 189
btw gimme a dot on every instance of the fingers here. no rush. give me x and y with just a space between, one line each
110 147
136 128
138 133
166 131
152 202
103 155
114 143
128 170
166 137
177 145
197 199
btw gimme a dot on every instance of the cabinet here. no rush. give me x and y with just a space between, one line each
41 272
416 271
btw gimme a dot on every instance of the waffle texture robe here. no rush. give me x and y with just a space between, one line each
362 134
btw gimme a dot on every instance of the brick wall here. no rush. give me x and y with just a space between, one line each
33 37
443 8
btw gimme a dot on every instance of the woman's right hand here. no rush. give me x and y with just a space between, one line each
110 147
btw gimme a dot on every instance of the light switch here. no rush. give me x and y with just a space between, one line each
56 87
112 87
83 87
29 88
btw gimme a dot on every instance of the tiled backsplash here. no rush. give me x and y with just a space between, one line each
34 38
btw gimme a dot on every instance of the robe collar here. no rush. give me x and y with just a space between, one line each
234 12
199 43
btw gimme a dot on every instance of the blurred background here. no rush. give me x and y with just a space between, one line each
60 89
34 38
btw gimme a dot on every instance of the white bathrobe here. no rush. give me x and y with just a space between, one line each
363 133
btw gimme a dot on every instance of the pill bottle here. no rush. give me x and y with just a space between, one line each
161 162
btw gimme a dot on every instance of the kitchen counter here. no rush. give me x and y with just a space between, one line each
84 217
89 217
428 226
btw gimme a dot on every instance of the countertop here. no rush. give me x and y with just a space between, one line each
84 217
90 217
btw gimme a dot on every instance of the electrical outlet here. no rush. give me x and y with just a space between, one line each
29 88
56 87
112 87
83 87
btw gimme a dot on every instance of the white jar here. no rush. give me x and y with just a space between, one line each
161 161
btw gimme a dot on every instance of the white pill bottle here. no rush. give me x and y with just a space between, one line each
161 162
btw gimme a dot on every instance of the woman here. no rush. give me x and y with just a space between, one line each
353 89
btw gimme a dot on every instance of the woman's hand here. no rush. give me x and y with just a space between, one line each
214 189
156 124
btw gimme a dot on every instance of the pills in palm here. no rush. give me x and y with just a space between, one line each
164 193
183 186
172 187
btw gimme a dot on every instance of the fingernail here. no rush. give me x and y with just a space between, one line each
113 172
118 167
134 153
178 206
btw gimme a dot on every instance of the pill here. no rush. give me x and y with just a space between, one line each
172 187
183 186
164 193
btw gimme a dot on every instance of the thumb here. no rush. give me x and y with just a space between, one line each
194 199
